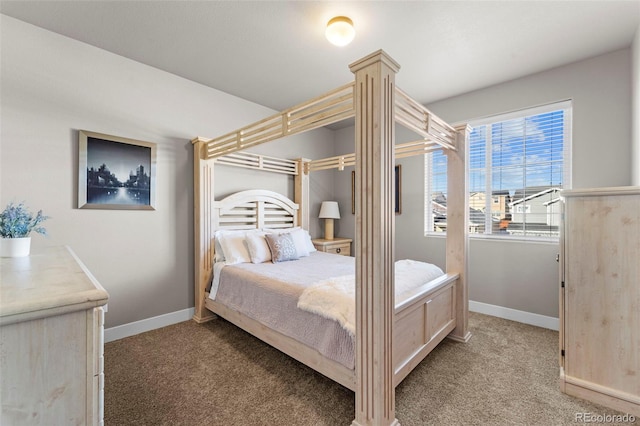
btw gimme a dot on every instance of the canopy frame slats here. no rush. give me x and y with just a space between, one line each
419 119
280 165
329 108
402 150
338 162
250 160
332 107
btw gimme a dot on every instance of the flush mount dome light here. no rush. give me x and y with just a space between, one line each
340 31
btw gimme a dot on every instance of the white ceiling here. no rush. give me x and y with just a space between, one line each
274 52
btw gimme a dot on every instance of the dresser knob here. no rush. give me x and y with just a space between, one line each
338 250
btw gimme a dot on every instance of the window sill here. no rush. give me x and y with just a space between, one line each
497 238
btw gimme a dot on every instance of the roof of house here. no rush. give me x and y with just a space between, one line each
530 193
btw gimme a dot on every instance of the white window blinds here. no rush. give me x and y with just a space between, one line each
518 162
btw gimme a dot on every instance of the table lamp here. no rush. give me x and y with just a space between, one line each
328 211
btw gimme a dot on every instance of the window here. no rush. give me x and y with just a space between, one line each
518 163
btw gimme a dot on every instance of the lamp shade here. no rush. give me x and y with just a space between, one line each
340 31
329 210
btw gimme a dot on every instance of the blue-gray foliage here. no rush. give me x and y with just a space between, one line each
16 221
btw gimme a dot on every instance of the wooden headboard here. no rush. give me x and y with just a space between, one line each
254 208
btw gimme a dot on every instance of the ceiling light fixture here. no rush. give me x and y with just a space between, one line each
340 31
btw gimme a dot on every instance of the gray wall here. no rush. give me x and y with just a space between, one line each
601 92
521 275
515 274
51 87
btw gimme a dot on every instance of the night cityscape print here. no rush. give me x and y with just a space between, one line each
118 173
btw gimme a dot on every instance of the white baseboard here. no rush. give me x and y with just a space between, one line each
515 315
137 327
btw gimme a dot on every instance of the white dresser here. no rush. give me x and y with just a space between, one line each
600 297
51 341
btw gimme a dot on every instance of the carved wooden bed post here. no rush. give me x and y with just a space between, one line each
458 228
203 232
375 222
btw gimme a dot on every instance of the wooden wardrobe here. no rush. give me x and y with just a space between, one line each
600 297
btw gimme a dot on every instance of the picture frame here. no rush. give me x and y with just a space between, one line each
115 172
397 180
353 192
398 187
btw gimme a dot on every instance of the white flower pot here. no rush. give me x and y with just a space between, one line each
15 247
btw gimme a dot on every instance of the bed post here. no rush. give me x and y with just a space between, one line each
374 99
458 228
301 192
203 232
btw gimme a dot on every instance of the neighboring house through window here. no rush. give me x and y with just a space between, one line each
518 162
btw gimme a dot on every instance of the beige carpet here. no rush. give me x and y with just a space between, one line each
216 374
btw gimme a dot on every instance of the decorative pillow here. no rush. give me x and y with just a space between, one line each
282 247
234 247
258 248
301 238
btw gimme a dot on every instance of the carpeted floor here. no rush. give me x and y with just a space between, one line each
216 374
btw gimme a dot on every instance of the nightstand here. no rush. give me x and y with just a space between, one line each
338 245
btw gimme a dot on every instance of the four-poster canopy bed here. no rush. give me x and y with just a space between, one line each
390 337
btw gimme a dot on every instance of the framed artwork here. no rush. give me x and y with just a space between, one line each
398 187
353 192
115 172
397 180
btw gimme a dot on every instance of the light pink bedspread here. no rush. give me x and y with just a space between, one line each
324 317
269 292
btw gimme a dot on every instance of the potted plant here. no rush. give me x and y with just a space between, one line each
16 225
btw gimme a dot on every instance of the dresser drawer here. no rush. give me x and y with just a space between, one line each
341 246
343 249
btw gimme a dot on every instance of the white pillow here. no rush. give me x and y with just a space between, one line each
258 248
234 247
310 247
219 254
217 237
300 240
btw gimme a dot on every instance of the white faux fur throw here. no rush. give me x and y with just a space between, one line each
334 298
